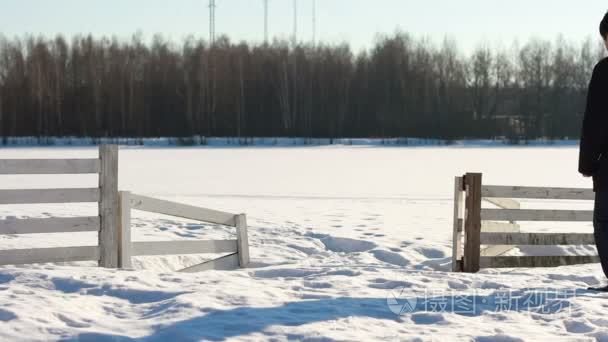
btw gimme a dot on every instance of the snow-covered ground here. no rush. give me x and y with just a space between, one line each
336 233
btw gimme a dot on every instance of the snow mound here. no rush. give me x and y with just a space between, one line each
347 245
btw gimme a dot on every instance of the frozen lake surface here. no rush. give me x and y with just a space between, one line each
333 232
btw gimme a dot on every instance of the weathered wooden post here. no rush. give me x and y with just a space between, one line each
124 230
457 225
472 222
242 241
108 206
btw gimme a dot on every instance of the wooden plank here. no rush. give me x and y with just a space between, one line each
536 239
537 261
35 196
504 203
46 255
48 166
499 227
536 215
457 225
495 250
472 225
124 230
183 247
154 205
225 263
108 206
242 240
50 225
537 192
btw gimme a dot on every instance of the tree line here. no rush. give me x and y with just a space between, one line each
400 87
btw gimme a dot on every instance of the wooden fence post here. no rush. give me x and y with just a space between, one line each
472 223
457 226
108 206
124 230
242 241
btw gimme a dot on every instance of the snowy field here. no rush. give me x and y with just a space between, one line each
335 234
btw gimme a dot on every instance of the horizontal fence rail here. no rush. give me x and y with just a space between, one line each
38 196
536 261
536 192
536 215
540 239
48 166
50 225
499 230
503 203
165 207
45 255
499 227
183 247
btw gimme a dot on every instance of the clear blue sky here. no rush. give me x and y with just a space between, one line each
470 22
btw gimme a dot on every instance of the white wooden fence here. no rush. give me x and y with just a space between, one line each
114 248
237 250
106 194
497 228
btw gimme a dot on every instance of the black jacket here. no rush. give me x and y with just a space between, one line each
593 145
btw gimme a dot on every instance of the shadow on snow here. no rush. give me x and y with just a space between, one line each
218 325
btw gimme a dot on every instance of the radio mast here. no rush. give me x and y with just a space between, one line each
314 23
266 22
212 22
295 22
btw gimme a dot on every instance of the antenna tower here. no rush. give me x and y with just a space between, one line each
295 22
314 23
266 21
212 22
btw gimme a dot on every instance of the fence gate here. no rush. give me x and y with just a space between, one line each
474 226
237 250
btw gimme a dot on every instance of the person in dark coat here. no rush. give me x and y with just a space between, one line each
593 153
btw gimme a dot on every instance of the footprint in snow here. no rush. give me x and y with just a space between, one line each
318 285
385 284
5 278
6 315
454 285
390 257
71 322
431 253
305 250
428 318
578 327
284 273
499 337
